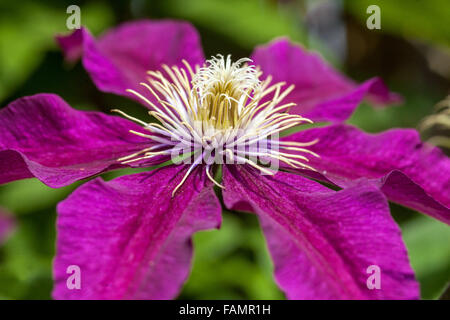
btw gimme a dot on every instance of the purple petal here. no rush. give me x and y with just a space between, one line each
120 59
321 93
408 171
6 225
322 241
43 137
130 238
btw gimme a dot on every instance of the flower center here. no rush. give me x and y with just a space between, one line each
219 113
222 88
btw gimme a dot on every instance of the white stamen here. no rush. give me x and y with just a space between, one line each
219 110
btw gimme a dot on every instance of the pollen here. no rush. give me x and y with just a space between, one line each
222 86
219 113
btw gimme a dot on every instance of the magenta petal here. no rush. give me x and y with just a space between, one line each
408 171
6 225
42 136
120 59
321 93
129 237
322 241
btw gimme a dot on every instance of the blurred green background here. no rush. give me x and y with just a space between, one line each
411 53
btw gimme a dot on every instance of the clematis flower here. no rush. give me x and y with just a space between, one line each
131 236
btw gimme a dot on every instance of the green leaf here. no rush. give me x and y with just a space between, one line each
428 243
28 30
26 258
427 20
248 23
231 263
30 195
